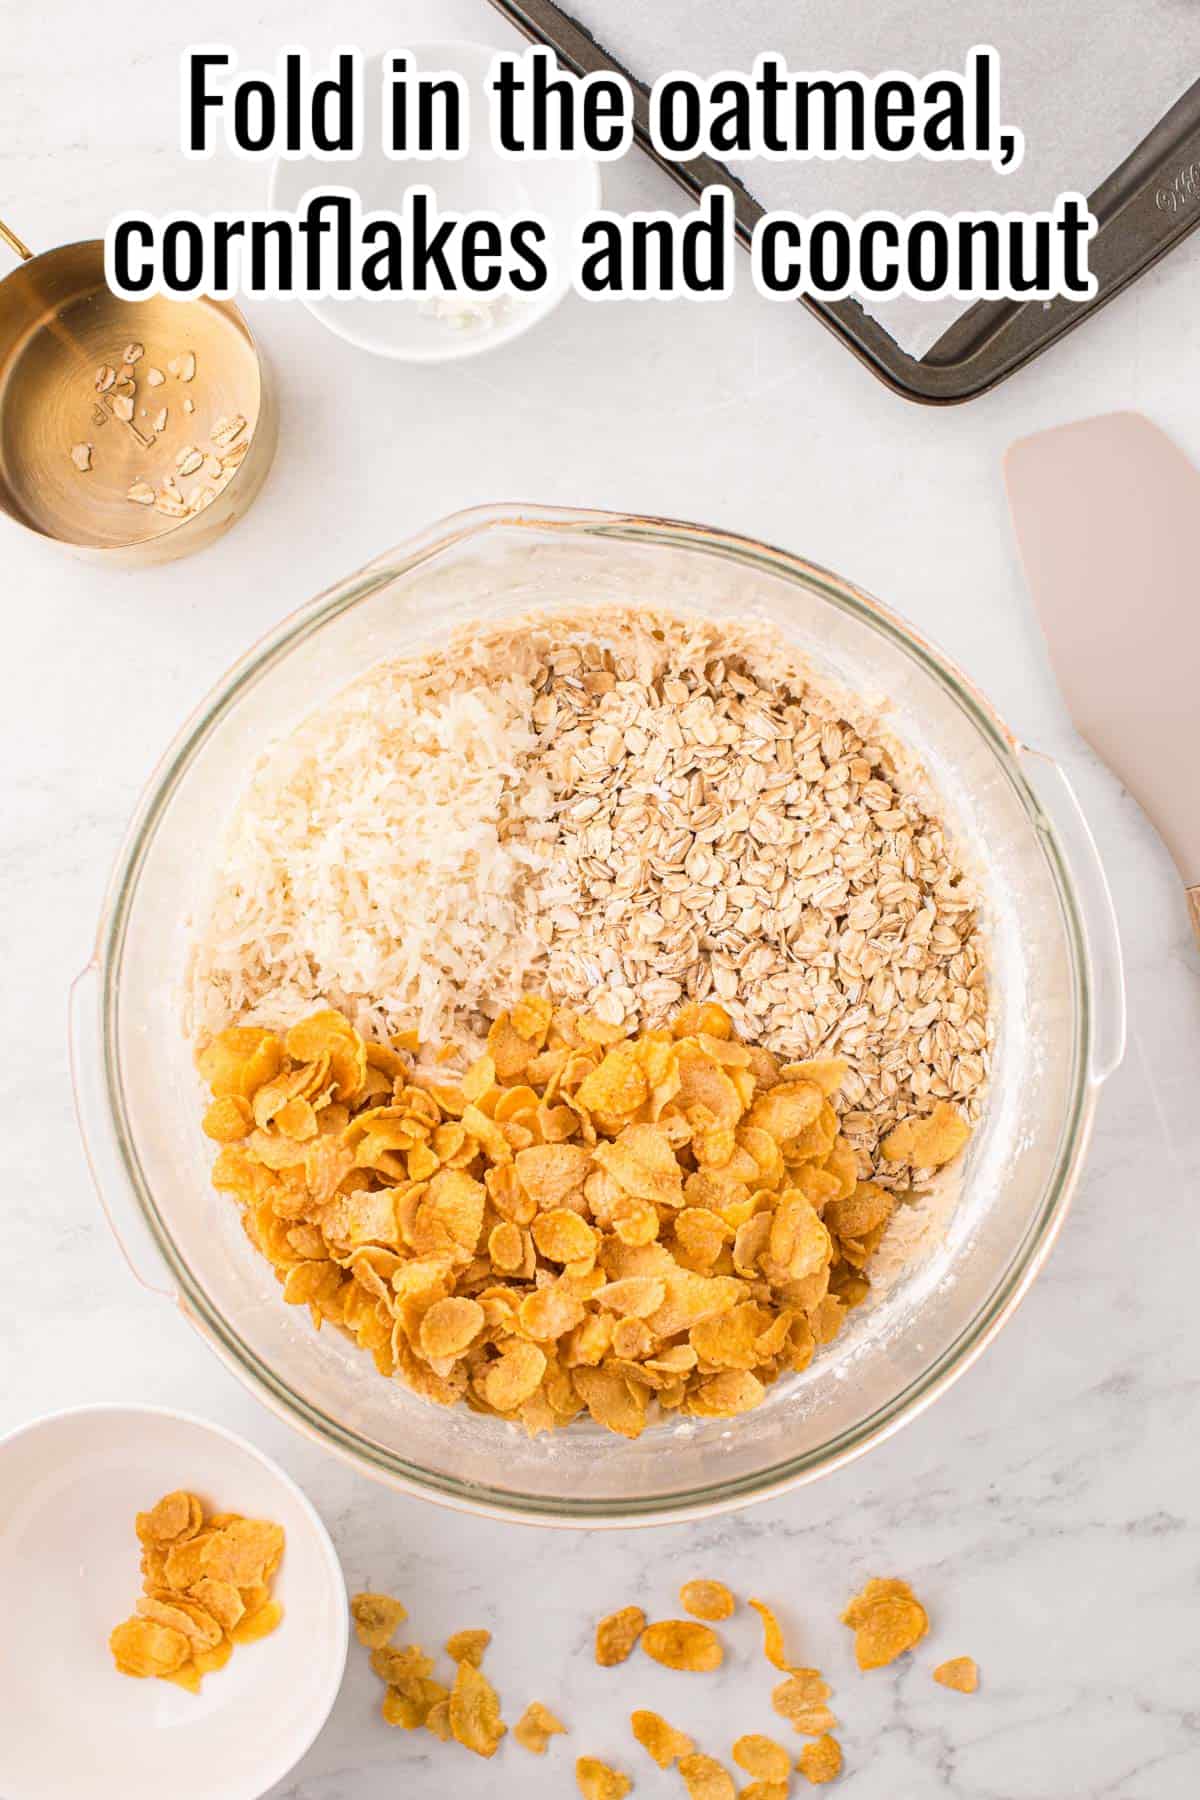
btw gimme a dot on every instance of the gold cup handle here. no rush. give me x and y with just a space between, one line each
14 243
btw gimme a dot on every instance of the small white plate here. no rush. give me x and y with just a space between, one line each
70 1725
562 190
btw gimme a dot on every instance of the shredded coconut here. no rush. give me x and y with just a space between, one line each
371 862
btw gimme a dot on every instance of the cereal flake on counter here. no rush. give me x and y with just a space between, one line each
887 1619
821 1761
660 1740
536 1726
961 1674
709 1600
597 1780
617 1635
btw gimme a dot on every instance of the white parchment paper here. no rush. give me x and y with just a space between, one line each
1084 79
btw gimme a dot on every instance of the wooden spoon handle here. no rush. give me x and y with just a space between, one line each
1193 900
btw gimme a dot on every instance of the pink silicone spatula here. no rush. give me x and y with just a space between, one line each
1107 513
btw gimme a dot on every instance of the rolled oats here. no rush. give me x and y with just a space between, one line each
725 830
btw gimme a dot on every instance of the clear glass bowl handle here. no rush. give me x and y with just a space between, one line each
1052 786
85 1049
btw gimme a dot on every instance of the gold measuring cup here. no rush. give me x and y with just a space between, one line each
59 326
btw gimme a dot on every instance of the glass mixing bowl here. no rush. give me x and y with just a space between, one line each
1056 977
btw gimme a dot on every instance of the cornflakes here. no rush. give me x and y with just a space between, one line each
681 1644
661 1740
205 1589
450 1327
635 1297
725 1396
221 1599
409 1702
515 1375
376 1617
207 1662
400 1709
583 1223
243 1552
179 1637
397 1664
821 1761
167 1608
550 1172
801 1701
887 1620
183 1565
258 1624
612 1400
475 1711
930 1141
617 1634
468 1646
563 1237
597 1781
705 1779
642 1163
961 1673
536 1726
437 1720
228 1120
772 1637
709 1600
142 1647
176 1517
762 1757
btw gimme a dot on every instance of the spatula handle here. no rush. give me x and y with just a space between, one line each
1193 900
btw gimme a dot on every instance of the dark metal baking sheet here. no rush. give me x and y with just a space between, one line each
1144 208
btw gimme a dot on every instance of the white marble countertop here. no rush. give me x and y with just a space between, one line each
1048 1508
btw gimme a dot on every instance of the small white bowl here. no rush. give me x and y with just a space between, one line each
562 190
70 1725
